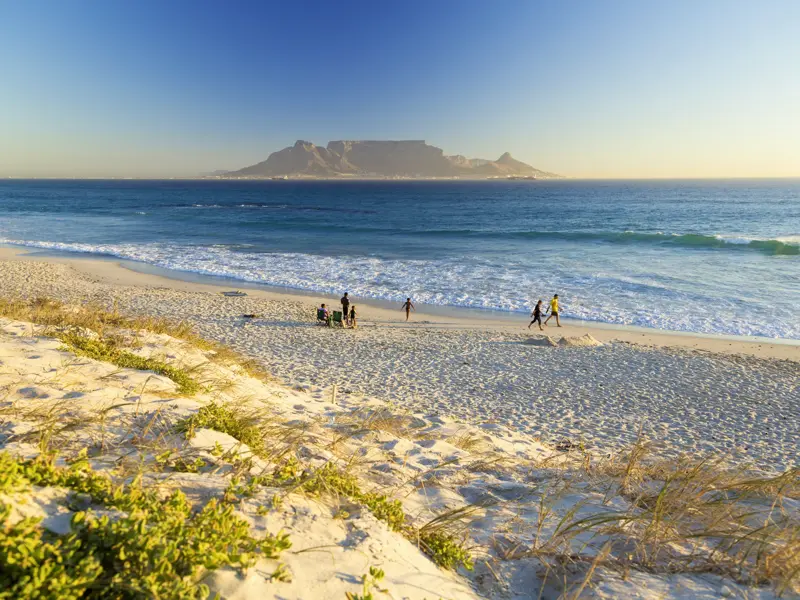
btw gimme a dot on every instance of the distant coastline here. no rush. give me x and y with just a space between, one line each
343 178
233 177
364 178
383 159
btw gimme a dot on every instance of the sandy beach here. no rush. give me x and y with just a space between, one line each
454 460
688 394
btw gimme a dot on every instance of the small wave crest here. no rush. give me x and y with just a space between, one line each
272 206
789 246
696 240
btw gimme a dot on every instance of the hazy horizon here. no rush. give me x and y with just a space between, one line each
587 90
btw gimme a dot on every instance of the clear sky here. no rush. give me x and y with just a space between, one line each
587 88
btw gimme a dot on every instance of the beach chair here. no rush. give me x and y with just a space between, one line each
321 318
337 318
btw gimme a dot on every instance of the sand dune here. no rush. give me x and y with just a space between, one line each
517 506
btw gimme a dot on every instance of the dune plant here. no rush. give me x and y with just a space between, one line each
689 516
225 418
443 547
103 320
369 581
157 548
335 481
102 350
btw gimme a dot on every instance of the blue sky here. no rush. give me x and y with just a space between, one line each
585 88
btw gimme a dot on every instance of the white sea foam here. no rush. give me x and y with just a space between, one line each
789 239
741 240
612 297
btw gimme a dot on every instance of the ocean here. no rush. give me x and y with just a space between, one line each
712 257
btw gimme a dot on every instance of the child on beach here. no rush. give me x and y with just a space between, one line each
353 316
553 310
537 315
408 307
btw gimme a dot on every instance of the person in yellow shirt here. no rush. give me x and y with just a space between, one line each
553 310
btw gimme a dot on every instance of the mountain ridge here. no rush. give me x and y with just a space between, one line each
383 159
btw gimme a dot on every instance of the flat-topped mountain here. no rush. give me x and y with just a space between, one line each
372 158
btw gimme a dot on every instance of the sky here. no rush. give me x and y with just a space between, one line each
585 88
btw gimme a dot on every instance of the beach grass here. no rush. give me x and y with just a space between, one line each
107 351
686 516
56 316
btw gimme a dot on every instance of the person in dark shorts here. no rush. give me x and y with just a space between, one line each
537 315
353 316
345 306
408 307
553 311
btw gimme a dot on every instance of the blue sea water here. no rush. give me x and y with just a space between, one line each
699 256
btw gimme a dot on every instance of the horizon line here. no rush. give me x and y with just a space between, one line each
401 179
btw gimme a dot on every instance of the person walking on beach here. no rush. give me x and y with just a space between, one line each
553 310
353 317
537 315
345 307
408 307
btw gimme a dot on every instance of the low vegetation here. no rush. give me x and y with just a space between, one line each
443 548
686 516
234 421
107 351
52 313
156 548
56 316
369 582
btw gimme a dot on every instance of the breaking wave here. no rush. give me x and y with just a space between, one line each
789 245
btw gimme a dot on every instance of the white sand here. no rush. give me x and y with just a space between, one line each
430 463
688 394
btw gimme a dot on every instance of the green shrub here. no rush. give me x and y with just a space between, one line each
99 349
11 478
445 550
332 480
225 419
159 549
37 564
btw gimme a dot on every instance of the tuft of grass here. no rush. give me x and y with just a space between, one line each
443 538
692 516
467 441
444 548
159 549
334 481
359 423
226 419
53 314
102 350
